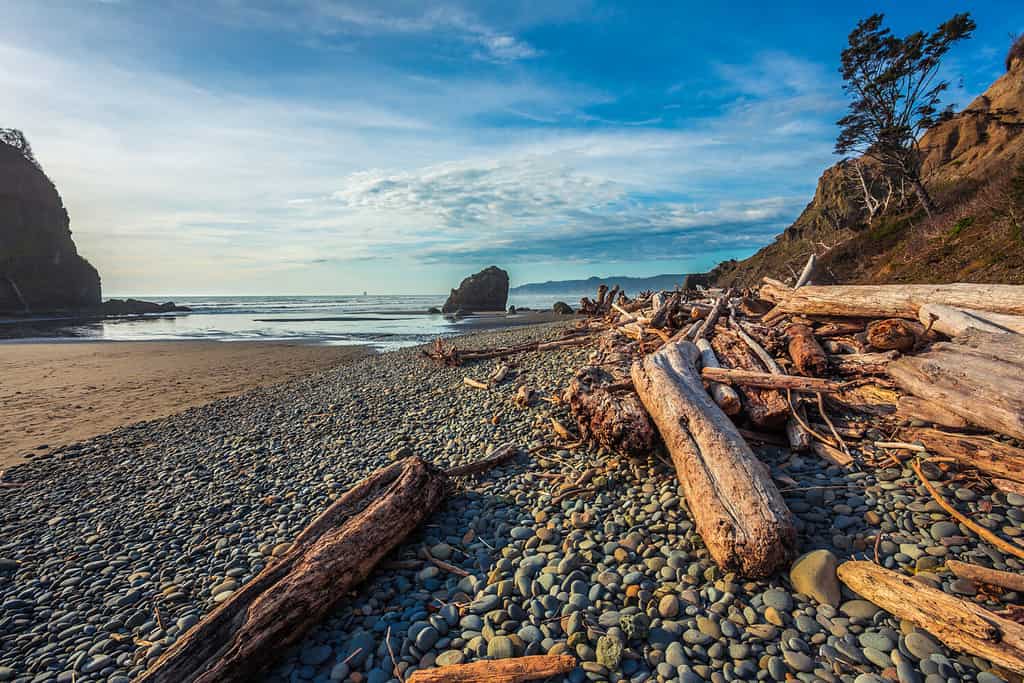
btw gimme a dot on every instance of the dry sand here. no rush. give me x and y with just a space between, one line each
58 393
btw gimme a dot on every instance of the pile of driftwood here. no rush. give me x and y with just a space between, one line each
704 374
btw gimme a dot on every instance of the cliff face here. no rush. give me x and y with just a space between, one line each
971 164
40 269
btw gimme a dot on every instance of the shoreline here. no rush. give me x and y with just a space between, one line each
62 391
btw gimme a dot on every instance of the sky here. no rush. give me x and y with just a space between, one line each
337 146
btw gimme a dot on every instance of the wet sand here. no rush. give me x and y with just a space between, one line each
54 394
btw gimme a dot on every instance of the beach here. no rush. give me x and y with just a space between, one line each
56 393
115 546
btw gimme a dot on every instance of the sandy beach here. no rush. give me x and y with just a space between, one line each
54 394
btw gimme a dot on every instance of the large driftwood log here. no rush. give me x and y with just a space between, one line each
1008 347
993 458
984 388
806 352
518 670
736 507
331 556
914 408
767 409
963 626
612 418
953 322
766 380
901 301
893 334
862 363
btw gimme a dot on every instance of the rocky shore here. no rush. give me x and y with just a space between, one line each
117 545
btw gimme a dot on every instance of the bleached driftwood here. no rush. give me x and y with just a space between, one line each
902 301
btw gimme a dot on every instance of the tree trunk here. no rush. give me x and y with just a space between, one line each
806 352
519 670
615 419
736 507
984 388
926 199
963 626
993 458
336 552
900 301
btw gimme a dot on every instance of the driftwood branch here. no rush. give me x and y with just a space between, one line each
518 670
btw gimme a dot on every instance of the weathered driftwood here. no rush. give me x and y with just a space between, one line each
807 272
839 328
893 334
612 418
1009 486
914 408
723 394
902 301
766 409
862 363
449 354
1007 347
806 352
766 380
962 625
953 322
993 577
991 457
736 507
519 670
331 556
982 387
831 454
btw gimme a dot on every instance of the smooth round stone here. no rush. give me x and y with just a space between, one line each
668 607
530 634
316 655
989 677
877 657
814 574
779 599
941 530
449 657
1015 499
869 678
906 673
675 655
501 647
879 641
799 661
861 609
426 638
777 668
921 645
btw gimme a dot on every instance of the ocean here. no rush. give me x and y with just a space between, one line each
381 321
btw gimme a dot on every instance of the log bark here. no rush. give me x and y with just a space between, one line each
993 458
805 351
1008 347
736 507
862 363
963 626
893 334
976 385
611 418
900 301
766 409
765 380
331 556
993 577
517 670
953 322
914 408
723 394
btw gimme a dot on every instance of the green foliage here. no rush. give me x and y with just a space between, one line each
1016 51
895 92
16 139
889 227
961 225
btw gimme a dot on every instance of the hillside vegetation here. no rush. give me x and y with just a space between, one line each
973 167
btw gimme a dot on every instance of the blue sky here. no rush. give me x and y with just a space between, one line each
331 146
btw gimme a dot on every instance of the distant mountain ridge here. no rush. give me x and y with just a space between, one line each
632 285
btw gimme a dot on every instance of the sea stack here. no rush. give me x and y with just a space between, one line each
40 269
484 291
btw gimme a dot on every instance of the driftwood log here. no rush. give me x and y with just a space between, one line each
766 408
862 363
993 577
609 416
331 556
963 626
893 334
519 670
723 394
736 507
991 457
901 301
806 352
983 385
914 408
953 322
766 380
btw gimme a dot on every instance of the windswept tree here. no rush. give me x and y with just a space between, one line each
16 139
896 94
